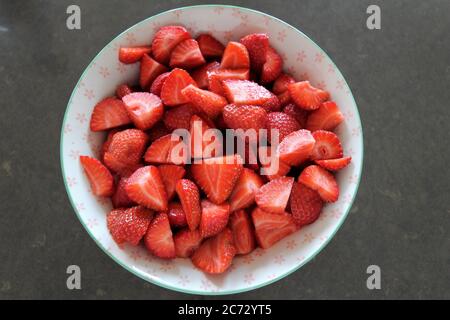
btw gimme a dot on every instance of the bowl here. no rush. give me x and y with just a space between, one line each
302 58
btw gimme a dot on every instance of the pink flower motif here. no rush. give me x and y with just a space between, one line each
156 26
218 10
356 131
92 222
319 57
323 239
135 254
291 70
279 259
282 35
266 20
177 14
291 244
166 266
81 117
271 276
304 76
340 84
130 37
74 154
121 67
353 179
331 68
308 238
322 85
67 128
208 285
71 181
348 114
235 12
104 72
351 152
336 214
301 56
80 206
184 280
248 259
244 19
89 93
248 278
347 198
81 84
259 252
300 259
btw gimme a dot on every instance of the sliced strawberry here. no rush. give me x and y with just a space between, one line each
186 55
109 113
177 80
271 227
327 117
133 54
244 117
190 200
218 176
200 75
100 179
272 67
210 46
274 195
319 179
145 187
296 147
203 144
246 92
169 149
157 131
281 124
129 225
334 164
186 242
214 218
179 117
306 96
327 146
284 98
243 232
298 114
177 217
281 83
243 195
257 45
209 102
107 143
150 69
165 40
157 84
123 90
158 239
273 166
273 104
144 109
216 254
235 56
215 78
306 204
119 166
127 146
120 198
170 175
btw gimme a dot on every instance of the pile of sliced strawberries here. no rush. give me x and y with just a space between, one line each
214 209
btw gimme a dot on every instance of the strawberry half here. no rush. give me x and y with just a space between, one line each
165 40
200 75
282 83
190 200
284 98
215 78
144 109
243 195
274 195
298 114
149 70
214 218
129 225
257 45
179 117
334 164
176 215
272 67
100 179
235 56
186 55
246 92
170 175
158 239
107 143
133 54
122 90
270 161
209 102
327 117
177 80
109 113
306 96
296 147
327 146
120 198
157 84
244 117
169 149
305 203
243 233
281 124
319 179
203 145
210 46
186 242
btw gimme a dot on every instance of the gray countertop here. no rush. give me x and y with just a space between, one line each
400 221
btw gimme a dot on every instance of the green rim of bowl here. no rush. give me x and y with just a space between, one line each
198 292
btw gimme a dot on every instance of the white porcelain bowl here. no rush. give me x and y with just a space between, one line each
302 58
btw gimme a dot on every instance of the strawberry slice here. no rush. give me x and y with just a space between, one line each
149 70
122 168
243 195
327 117
243 233
120 198
273 166
218 176
319 179
186 55
144 109
274 195
107 143
186 242
305 203
215 78
157 84
169 149
209 102
203 145
122 90
246 92
216 254
210 46
273 104
129 225
100 179
298 114
271 227
257 45
158 239
177 80
272 67
235 56
179 117
176 215
200 75
109 113
133 54
306 96
157 131
282 83
170 175
327 146
244 117
296 147
334 164
214 218
281 124
145 187
190 200
165 40
284 98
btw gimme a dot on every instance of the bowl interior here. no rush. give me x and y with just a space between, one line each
302 58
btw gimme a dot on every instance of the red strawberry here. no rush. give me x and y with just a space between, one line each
123 90
129 225
281 124
200 75
271 227
179 117
243 233
145 109
284 98
190 200
107 143
218 176
274 195
334 164
210 46
246 92
186 55
120 198
203 145
100 179
296 147
306 96
243 195
214 218
327 117
209 102
157 131
257 45
149 70
319 179
215 78
157 84
177 80
158 239
145 186
119 166
170 175
273 104
298 114
216 254
133 54
186 242
165 40
244 117
274 170
306 204
272 67
169 149
281 83
109 113
327 146
176 215
235 56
